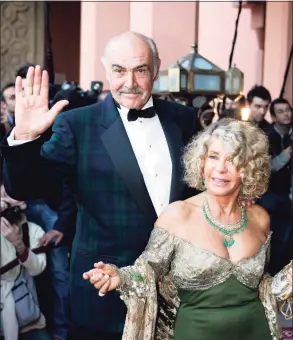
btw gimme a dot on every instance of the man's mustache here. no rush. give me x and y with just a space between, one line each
131 91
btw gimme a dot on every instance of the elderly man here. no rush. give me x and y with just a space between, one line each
121 157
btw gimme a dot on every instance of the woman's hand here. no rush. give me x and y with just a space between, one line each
13 234
104 278
49 236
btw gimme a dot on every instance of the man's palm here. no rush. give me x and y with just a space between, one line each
32 115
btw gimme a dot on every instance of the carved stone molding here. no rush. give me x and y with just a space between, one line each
22 36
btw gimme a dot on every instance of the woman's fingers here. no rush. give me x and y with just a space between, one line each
99 282
105 268
92 272
99 265
89 274
105 288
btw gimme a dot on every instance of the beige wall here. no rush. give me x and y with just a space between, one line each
261 50
163 22
289 85
174 29
216 31
278 39
99 22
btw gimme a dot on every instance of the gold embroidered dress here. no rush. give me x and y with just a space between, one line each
177 290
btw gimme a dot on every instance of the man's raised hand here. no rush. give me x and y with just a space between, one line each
32 114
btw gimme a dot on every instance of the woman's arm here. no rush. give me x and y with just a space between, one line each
153 264
282 283
34 264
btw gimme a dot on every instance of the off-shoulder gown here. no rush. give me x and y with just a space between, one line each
219 300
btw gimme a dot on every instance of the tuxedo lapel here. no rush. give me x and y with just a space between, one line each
118 146
174 139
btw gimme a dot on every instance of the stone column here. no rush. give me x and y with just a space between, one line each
22 36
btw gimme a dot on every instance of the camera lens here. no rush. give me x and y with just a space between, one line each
12 214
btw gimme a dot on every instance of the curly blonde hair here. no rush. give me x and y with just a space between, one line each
245 144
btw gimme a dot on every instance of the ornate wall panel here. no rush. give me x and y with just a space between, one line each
22 36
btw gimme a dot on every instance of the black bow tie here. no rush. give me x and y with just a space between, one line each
133 114
147 113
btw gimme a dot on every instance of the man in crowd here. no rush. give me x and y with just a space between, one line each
277 198
8 99
259 99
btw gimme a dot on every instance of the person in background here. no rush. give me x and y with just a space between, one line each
277 199
13 246
8 97
4 122
259 99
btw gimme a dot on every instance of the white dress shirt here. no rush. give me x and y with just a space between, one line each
151 150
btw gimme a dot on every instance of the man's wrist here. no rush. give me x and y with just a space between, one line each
23 136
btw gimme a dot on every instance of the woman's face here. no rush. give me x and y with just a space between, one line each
220 175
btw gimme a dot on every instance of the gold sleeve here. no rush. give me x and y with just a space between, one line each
282 290
157 257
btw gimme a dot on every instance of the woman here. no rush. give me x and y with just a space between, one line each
12 247
214 250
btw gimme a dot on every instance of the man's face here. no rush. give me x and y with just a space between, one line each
3 112
130 73
9 97
258 109
228 103
283 114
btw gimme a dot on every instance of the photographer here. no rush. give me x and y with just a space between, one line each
20 314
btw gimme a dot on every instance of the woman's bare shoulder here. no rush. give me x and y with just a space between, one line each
260 217
175 214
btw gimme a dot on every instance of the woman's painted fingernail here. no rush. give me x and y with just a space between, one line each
101 294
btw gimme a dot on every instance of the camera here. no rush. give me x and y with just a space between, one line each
12 214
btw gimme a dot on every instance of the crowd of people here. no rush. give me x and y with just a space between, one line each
185 233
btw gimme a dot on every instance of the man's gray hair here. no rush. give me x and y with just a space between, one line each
154 49
150 42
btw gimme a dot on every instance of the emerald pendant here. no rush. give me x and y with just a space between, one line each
228 242
227 229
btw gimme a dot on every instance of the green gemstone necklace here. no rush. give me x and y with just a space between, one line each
229 230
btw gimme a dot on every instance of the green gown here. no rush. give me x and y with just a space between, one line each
219 299
228 311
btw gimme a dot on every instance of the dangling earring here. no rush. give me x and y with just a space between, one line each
240 196
202 182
